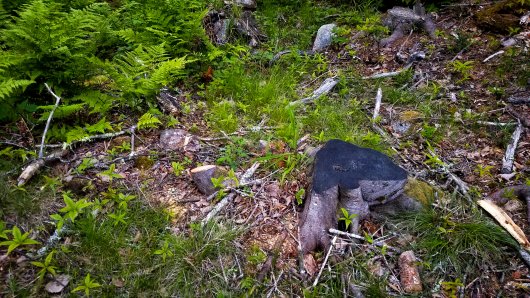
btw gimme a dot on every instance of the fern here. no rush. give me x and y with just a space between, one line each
148 121
9 86
62 111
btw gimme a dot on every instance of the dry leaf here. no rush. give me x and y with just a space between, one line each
118 282
310 264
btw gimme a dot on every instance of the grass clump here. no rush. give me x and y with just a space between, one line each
450 243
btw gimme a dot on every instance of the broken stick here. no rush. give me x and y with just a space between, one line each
378 99
37 164
509 156
358 237
326 86
58 99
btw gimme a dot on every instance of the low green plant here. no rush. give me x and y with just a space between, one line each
256 256
299 196
346 217
164 252
87 286
179 166
483 171
148 120
110 173
18 239
85 164
46 266
463 69
233 153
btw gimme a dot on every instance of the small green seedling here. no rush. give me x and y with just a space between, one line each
119 217
73 209
483 171
87 285
346 217
3 230
46 267
164 251
110 173
300 196
18 240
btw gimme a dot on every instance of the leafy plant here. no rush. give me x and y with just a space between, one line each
110 173
17 240
148 120
87 286
483 171
165 251
299 196
45 266
346 217
462 68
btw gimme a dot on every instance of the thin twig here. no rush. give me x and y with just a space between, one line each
324 88
325 260
57 101
493 55
388 74
131 131
358 237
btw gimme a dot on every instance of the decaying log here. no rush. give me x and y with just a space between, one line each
326 86
401 20
408 273
506 222
31 169
509 156
202 176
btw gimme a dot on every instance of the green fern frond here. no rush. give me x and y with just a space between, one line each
61 112
148 120
10 86
76 134
97 101
167 71
101 126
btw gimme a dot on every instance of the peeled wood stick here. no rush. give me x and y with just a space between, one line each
326 86
378 99
325 261
506 222
493 55
57 101
35 165
507 160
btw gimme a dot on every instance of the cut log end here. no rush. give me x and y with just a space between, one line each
409 274
202 176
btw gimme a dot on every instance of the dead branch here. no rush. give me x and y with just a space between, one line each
325 261
508 159
519 99
378 99
58 99
506 222
245 178
489 123
326 86
131 131
358 237
31 169
493 55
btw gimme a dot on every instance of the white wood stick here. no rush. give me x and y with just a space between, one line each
359 237
496 123
493 55
378 99
507 160
326 86
325 261
57 101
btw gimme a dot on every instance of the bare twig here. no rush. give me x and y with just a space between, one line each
326 86
493 55
57 101
358 237
507 161
325 260
378 98
131 131
388 74
489 123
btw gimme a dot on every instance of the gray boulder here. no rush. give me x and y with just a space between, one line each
324 37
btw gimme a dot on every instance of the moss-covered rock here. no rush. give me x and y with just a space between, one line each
503 16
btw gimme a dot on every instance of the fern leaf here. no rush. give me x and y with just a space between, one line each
8 87
61 112
148 121
101 126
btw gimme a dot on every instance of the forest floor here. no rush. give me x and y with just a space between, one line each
448 113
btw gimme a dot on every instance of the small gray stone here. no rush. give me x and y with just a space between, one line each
324 37
178 139
400 127
509 42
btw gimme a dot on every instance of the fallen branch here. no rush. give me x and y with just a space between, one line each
325 261
244 180
489 123
506 222
58 99
358 237
519 99
493 55
509 156
131 131
378 99
32 168
326 86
